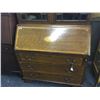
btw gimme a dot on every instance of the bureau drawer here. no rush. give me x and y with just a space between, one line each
64 79
49 58
54 68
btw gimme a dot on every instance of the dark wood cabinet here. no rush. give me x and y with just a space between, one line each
26 18
71 16
9 62
8 28
53 18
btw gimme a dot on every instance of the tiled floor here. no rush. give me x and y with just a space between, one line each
16 81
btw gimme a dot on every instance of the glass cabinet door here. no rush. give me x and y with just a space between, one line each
71 16
51 18
31 17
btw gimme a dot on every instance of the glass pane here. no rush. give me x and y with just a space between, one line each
34 16
71 16
83 16
76 16
59 16
67 16
44 16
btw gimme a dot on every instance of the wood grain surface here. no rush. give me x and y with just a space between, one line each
73 39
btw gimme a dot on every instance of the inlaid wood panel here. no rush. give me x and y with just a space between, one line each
54 38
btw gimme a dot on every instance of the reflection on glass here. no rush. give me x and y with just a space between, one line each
34 16
71 16
56 33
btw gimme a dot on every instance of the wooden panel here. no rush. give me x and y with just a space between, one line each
52 65
8 59
9 63
5 30
54 38
6 48
51 68
44 57
8 26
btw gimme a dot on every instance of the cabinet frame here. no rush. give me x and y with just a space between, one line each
51 19
72 21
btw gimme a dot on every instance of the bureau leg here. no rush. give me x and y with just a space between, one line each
27 81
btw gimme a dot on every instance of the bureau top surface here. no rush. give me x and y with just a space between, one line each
70 39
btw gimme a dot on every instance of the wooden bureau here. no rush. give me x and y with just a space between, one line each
54 53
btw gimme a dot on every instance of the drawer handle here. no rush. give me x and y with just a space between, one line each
72 67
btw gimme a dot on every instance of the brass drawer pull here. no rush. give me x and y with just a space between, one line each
71 67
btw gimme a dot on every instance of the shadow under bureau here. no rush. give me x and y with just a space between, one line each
54 53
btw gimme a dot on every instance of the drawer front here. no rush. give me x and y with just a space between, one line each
48 58
65 79
67 69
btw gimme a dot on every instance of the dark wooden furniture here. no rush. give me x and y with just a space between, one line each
8 60
8 27
72 18
26 18
97 65
54 53
53 18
